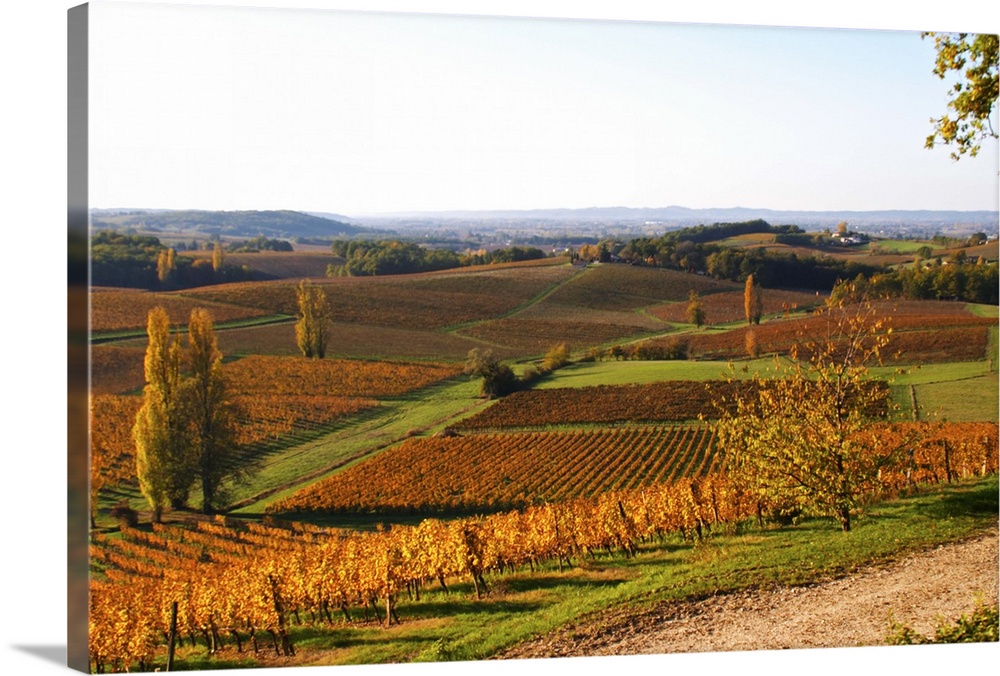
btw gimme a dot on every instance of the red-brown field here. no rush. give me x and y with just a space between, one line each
624 287
923 331
668 401
115 369
425 301
354 341
727 307
124 309
289 376
528 336
277 264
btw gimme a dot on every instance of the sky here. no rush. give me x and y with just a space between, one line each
351 112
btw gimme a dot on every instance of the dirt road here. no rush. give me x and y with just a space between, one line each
944 582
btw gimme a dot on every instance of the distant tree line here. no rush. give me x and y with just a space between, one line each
259 243
697 250
143 262
963 280
394 257
701 234
511 254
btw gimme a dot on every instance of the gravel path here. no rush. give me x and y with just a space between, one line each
944 582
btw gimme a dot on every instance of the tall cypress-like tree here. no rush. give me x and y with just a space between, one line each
165 462
753 301
210 413
166 263
217 257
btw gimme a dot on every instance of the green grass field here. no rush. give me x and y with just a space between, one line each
903 246
589 374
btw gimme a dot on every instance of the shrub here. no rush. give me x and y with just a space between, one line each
125 515
556 357
979 627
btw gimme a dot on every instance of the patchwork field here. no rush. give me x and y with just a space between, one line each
390 497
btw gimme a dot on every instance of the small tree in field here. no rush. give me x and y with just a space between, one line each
695 311
312 329
499 379
556 357
805 438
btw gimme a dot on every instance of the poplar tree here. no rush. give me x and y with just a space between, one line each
165 463
312 329
166 263
210 414
753 301
217 257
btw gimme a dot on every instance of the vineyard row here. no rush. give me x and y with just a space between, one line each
249 582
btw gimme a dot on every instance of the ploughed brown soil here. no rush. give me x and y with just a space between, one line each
920 591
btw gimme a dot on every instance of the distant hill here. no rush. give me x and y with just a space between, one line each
273 224
679 216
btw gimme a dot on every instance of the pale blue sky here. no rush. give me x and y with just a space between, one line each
235 108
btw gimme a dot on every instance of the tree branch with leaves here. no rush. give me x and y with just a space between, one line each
972 99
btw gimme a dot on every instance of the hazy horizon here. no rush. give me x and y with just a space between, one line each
358 113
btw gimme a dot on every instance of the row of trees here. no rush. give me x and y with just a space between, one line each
972 282
143 262
184 430
394 257
700 250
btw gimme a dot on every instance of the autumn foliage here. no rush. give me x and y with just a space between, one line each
245 584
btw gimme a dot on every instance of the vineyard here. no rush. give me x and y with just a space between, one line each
258 375
124 309
728 306
116 369
666 401
355 341
406 301
249 583
620 287
923 332
534 336
489 472
426 485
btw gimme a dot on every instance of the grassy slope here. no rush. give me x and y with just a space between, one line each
422 412
589 374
